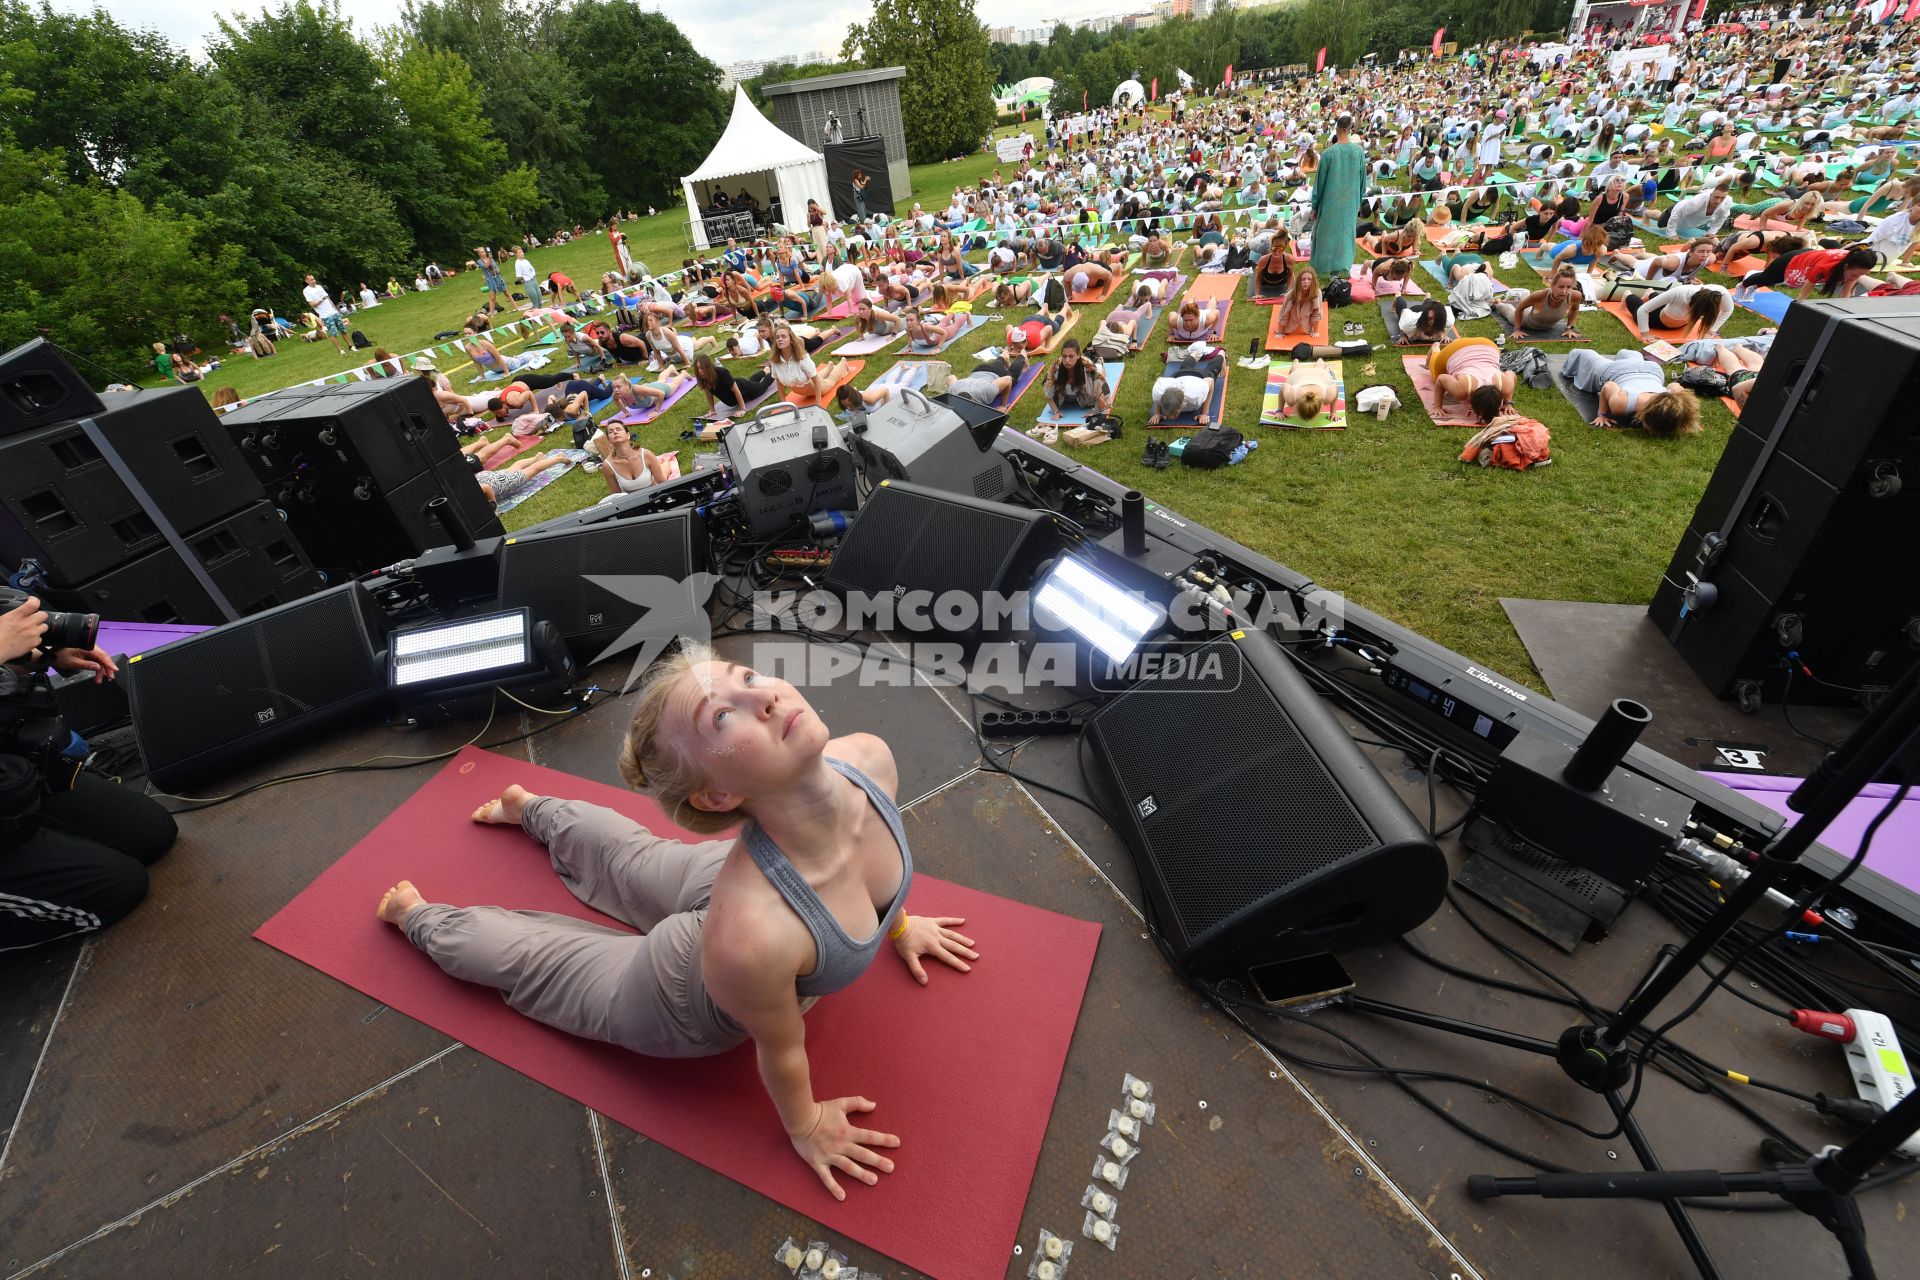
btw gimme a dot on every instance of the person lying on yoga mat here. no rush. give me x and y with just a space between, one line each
1464 366
1075 382
1542 221
1633 391
1186 387
1835 272
1584 251
802 304
512 479
537 392
743 934
1302 310
485 452
793 368
1157 250
626 467
628 394
990 379
1312 386
1547 310
1013 293
933 329
1421 320
810 338
727 394
1122 330
1088 277
1698 309
871 321
1193 321
487 358
1682 267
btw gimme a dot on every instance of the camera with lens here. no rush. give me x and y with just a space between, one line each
64 630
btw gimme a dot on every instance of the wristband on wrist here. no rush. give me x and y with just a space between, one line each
900 926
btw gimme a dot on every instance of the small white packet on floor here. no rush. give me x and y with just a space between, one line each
1104 1203
1101 1230
1050 1258
1110 1171
789 1255
1115 1147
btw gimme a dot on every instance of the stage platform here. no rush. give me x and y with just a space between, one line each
192 1102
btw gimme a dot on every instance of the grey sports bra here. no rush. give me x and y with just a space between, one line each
841 958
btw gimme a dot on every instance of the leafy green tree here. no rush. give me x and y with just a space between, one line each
944 49
637 67
440 104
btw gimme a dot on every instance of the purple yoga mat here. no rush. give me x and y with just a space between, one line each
1896 846
128 638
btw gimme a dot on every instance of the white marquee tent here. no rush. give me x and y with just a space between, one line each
756 150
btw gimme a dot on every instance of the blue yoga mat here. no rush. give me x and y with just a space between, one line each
1769 304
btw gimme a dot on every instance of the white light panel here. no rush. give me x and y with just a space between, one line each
459 648
1096 609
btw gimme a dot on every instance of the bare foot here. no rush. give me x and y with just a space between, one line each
507 809
399 900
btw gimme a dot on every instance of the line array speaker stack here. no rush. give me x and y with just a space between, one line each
137 506
354 466
1803 541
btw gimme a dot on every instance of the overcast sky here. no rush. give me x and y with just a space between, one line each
725 33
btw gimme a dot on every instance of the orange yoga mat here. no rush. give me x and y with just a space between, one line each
1216 286
1277 341
847 374
964 1069
1618 310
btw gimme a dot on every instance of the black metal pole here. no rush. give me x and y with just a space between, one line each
1676 1212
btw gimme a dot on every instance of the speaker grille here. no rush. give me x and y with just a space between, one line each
548 573
1236 846
261 674
923 540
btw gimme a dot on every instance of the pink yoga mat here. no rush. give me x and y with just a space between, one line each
964 1070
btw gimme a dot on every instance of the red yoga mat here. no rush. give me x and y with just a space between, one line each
964 1069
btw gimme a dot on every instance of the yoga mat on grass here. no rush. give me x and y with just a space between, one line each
1277 341
1586 404
1220 286
1216 334
967 1079
1076 417
1028 376
973 322
1393 327
1093 297
1452 413
910 375
637 417
1273 414
1258 298
1171 288
752 403
1769 303
869 345
574 458
847 374
1216 409
1618 310
1750 222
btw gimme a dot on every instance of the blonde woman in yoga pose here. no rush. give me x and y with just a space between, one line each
743 933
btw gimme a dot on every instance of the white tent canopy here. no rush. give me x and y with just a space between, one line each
754 145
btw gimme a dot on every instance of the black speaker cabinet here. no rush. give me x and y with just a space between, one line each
353 536
207 703
38 388
1816 533
913 539
341 442
1260 831
252 557
553 575
62 502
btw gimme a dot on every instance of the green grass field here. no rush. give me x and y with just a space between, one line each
1383 512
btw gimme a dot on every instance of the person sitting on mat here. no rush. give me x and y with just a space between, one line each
1463 366
1311 386
1075 382
1193 321
742 935
1302 310
793 368
1633 392
1548 310
1698 310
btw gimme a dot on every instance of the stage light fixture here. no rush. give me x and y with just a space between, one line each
502 650
1074 597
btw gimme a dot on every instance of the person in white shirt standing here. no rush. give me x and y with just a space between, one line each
524 273
332 323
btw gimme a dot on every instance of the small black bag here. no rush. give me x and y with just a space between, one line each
1339 291
360 342
1211 447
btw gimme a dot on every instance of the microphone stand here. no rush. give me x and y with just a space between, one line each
1598 1058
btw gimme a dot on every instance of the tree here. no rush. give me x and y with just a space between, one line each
943 46
440 103
636 66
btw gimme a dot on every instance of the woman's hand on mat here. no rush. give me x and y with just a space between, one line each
835 1142
934 936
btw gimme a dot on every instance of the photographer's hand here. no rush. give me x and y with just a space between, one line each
95 660
21 629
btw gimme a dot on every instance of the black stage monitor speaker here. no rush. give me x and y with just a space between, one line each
908 538
38 388
1801 540
551 574
1260 831
251 556
207 703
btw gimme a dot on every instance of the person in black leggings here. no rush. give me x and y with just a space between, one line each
727 394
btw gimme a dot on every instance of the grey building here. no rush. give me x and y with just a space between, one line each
800 108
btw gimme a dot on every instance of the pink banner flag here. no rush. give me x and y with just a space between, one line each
1436 40
1155 96
1320 62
